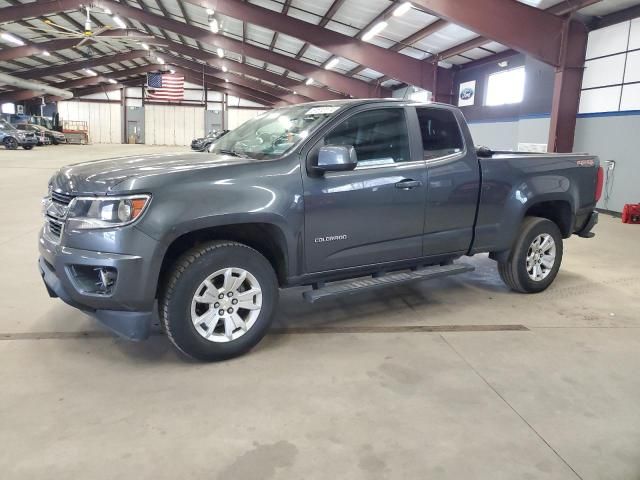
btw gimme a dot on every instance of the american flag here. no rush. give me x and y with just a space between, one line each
165 86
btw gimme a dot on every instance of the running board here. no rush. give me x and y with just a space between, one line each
357 286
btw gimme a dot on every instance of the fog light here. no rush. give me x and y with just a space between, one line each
94 280
107 277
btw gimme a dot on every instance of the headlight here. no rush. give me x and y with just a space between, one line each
105 212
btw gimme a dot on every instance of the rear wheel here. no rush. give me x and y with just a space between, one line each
535 258
219 301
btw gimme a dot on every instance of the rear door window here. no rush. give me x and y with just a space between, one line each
440 132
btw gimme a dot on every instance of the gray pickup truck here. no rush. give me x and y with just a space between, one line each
341 196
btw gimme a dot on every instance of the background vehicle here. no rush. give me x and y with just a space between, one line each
40 135
13 138
314 194
45 136
202 144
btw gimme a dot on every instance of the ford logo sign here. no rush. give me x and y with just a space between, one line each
466 93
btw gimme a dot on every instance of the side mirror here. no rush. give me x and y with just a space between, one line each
336 158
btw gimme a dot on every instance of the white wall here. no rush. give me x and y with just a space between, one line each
237 116
507 135
172 125
613 137
104 120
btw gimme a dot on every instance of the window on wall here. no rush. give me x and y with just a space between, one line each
611 80
505 87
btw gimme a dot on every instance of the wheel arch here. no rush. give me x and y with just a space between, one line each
559 211
266 238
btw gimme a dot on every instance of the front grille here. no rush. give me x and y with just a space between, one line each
55 226
62 198
57 212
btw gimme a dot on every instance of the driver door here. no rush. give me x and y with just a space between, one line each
373 214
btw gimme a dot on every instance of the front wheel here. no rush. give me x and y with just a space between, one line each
27 147
219 301
535 258
10 143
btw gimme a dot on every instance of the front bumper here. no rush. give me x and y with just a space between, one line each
126 310
28 141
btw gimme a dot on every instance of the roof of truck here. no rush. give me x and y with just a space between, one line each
365 101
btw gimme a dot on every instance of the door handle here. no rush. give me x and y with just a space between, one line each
408 184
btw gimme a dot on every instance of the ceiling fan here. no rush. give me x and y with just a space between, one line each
88 34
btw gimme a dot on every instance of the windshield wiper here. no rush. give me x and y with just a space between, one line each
233 153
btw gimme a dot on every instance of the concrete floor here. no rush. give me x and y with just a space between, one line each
341 396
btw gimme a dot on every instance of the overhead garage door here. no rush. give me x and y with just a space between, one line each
104 120
172 125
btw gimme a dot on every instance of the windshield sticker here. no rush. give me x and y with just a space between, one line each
322 110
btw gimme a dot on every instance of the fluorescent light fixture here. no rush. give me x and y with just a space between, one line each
172 71
119 21
225 69
88 71
210 11
309 81
375 30
503 64
226 80
111 80
145 46
402 9
160 60
220 52
11 38
214 26
295 93
332 63
107 11
45 53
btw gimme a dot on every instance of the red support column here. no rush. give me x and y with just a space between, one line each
567 85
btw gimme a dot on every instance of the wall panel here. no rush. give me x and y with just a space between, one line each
104 120
173 125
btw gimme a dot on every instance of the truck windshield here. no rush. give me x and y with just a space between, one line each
4 125
273 133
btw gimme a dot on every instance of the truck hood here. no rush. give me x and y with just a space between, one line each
103 176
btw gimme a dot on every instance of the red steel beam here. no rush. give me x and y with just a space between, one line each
342 83
566 90
522 27
395 65
80 64
36 9
334 80
309 91
419 35
216 75
463 47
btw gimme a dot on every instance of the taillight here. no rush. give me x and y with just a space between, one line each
599 183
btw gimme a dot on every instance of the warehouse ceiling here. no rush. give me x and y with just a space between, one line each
291 50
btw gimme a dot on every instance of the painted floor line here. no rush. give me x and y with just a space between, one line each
290 331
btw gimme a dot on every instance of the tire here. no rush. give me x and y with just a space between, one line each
27 147
186 282
54 141
515 271
10 143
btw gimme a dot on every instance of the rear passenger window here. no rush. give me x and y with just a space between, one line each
440 132
378 136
